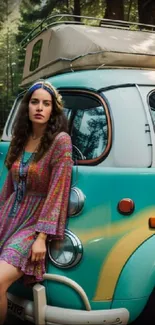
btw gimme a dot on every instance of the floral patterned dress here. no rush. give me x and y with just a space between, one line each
42 206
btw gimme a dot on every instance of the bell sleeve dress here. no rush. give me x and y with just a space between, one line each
42 207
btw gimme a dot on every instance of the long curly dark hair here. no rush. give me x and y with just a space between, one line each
22 127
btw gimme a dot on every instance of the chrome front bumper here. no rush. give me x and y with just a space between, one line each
39 313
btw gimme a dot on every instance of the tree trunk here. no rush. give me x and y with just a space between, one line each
77 9
114 9
67 4
146 10
129 10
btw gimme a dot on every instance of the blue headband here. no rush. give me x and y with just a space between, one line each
38 86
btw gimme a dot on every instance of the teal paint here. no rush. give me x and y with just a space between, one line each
137 279
134 306
96 79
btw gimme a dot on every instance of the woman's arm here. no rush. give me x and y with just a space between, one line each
52 219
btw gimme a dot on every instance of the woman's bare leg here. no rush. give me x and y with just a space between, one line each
8 275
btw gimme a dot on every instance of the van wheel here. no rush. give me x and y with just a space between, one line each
147 317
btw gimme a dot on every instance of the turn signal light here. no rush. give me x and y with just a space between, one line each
152 222
126 206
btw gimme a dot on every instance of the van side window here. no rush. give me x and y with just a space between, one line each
36 55
88 126
7 132
151 99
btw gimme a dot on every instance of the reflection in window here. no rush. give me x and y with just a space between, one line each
90 132
9 129
152 106
36 55
67 112
87 123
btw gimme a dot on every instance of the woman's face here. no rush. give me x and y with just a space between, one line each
40 106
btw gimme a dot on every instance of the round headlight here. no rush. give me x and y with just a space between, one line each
76 202
65 253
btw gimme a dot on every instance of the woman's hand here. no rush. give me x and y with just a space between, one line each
38 250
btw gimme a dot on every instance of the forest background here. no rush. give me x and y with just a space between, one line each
19 17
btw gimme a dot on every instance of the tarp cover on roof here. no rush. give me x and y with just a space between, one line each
78 47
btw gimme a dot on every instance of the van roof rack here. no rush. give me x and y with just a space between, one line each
54 20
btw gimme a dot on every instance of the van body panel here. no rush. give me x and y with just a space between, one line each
98 79
131 149
132 283
109 238
4 146
134 306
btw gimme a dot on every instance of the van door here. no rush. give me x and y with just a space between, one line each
132 136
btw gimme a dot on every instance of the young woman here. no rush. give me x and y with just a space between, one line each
35 195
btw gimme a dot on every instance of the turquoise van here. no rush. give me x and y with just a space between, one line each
104 270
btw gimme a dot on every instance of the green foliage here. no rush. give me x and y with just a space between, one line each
2 10
93 8
131 10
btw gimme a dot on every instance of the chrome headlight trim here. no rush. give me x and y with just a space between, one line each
76 202
76 251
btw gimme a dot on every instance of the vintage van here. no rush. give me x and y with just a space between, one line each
104 271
